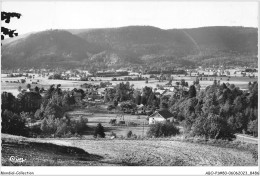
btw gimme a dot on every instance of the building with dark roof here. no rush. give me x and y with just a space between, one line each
160 116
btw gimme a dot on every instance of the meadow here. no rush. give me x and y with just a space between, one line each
173 151
241 82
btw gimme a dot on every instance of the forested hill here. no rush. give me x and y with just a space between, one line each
132 45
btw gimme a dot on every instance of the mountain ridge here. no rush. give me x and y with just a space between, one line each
129 45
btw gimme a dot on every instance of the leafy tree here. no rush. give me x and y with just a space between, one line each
13 124
192 91
162 130
183 82
129 134
53 109
29 101
36 89
253 127
6 17
28 86
19 88
78 126
99 131
44 126
212 126
38 114
115 103
8 101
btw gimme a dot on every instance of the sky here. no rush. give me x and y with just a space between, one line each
44 15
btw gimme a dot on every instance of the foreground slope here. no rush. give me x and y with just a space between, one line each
140 152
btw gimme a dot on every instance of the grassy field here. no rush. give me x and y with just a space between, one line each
68 84
104 119
116 152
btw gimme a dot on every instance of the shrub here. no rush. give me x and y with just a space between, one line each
253 127
62 129
162 130
99 131
13 124
38 114
129 134
133 124
78 126
111 107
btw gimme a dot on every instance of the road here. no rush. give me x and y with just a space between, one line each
244 138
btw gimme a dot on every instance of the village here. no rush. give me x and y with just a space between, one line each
95 94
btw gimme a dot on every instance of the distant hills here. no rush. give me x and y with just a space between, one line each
133 45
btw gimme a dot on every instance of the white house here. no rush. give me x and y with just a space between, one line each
160 116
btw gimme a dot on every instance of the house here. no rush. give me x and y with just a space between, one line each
169 94
161 116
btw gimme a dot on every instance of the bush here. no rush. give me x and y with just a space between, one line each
253 127
162 130
99 131
133 124
110 107
62 129
129 134
78 126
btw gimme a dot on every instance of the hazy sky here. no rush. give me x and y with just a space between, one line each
42 15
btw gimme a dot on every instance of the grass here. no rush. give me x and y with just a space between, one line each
104 119
44 154
172 151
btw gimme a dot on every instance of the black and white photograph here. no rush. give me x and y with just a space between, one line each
129 83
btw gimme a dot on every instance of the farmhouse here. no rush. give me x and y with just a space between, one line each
160 116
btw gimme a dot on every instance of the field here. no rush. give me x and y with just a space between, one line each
104 119
241 82
116 152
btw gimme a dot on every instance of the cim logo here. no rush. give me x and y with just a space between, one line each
16 159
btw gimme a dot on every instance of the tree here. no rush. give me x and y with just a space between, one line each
36 89
8 101
28 86
213 126
253 127
6 17
162 130
192 91
182 82
44 126
13 124
99 131
29 101
53 109
19 88
129 134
